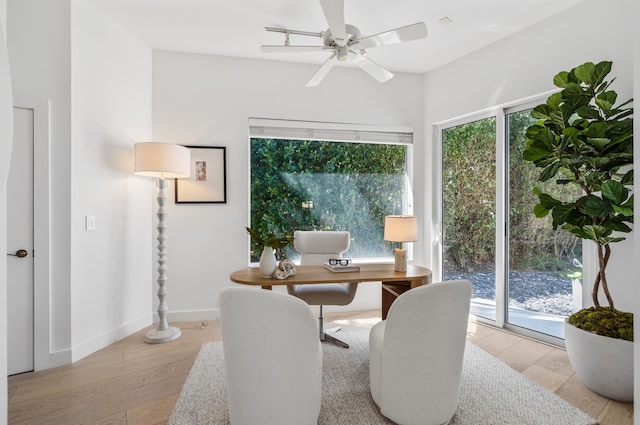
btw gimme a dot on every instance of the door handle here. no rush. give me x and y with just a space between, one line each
21 253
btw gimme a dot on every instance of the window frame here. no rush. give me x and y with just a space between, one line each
335 132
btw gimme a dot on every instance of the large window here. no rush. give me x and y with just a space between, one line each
304 183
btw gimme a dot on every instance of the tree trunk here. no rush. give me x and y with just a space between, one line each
601 278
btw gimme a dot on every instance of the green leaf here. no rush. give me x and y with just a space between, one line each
547 201
597 232
549 171
541 112
554 100
598 142
629 202
614 191
606 100
541 146
579 231
574 95
561 79
561 213
585 73
627 179
540 211
588 112
597 207
601 70
625 211
533 130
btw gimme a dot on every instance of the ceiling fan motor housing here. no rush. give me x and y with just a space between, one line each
353 33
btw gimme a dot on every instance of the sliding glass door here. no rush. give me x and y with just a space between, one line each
544 272
525 275
469 210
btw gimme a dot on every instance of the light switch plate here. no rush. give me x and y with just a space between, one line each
90 222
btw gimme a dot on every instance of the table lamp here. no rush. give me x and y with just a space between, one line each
162 161
400 228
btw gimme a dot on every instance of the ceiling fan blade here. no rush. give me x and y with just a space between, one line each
398 35
322 71
334 14
370 67
280 48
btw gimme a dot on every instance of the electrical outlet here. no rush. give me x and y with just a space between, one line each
90 222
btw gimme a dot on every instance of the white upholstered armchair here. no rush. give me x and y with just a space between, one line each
316 247
416 354
273 359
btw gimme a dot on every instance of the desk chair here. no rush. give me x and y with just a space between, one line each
273 361
315 248
416 354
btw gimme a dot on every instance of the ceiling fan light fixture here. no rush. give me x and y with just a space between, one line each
363 52
343 53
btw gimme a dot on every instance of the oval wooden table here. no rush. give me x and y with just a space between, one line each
393 283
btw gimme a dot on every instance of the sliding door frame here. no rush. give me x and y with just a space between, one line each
499 113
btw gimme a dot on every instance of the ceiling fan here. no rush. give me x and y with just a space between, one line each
345 42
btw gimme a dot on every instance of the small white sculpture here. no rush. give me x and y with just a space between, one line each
285 269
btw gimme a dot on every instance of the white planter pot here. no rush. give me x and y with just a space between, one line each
267 262
605 365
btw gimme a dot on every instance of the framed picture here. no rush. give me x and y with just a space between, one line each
207 182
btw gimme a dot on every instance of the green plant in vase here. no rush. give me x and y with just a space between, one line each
275 242
583 138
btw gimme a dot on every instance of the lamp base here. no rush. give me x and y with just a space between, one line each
158 337
400 256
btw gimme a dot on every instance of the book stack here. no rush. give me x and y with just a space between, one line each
337 268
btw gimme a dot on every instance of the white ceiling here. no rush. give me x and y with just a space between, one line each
236 27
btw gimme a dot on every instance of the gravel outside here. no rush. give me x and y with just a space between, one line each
538 291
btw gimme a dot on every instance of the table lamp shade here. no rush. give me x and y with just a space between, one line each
162 160
400 228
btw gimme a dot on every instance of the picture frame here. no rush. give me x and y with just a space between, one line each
207 181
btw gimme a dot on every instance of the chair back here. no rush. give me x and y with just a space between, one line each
316 247
273 358
423 351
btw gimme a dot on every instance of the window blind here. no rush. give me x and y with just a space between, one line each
338 132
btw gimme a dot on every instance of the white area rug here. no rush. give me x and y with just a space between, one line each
492 393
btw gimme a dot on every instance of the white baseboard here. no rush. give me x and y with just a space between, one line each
190 316
56 359
82 350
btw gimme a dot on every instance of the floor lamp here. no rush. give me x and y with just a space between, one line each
400 228
162 161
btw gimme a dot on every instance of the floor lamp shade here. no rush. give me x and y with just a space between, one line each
162 160
400 228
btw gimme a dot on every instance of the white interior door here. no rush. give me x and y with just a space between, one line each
20 282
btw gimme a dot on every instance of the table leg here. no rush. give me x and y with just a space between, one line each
391 291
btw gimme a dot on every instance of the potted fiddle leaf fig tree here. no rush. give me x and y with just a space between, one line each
583 138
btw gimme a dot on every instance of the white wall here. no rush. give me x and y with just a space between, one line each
523 65
39 35
111 110
6 141
97 79
207 100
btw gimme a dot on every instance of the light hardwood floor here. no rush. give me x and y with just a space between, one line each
131 382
